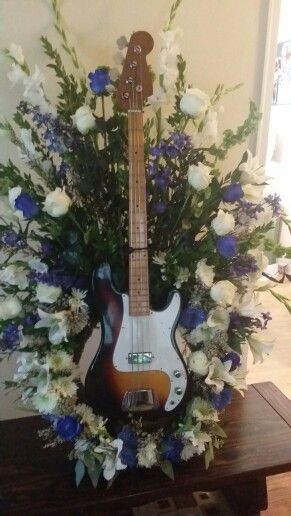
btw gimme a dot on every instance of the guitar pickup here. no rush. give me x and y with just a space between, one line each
144 357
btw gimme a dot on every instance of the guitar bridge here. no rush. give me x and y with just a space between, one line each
139 401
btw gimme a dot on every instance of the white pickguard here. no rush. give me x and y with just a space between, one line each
152 333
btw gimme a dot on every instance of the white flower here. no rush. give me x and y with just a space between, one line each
199 334
218 318
37 265
261 259
160 258
10 307
202 410
27 361
47 293
183 276
258 347
253 193
57 203
209 132
83 119
16 75
76 301
13 194
170 37
60 361
64 386
223 223
45 403
33 91
26 139
223 292
15 51
198 363
147 455
57 324
167 59
199 176
14 275
94 423
194 102
219 374
188 451
158 98
205 273
197 439
122 42
252 172
247 304
111 461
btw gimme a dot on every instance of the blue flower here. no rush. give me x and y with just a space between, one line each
159 207
220 400
30 319
172 448
68 427
128 454
11 239
47 247
163 180
99 80
25 203
192 316
232 193
11 335
227 246
242 265
234 358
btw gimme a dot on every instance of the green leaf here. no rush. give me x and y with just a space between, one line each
94 473
167 468
209 455
79 471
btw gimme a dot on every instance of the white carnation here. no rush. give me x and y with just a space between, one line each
47 293
223 292
57 203
194 102
205 273
198 363
223 223
199 176
84 119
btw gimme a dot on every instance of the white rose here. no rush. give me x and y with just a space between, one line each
47 294
10 307
223 223
83 119
205 273
218 318
15 51
223 292
194 102
57 203
198 363
199 176
252 172
253 193
14 275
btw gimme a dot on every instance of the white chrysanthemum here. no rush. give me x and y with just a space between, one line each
198 363
77 321
60 361
64 386
197 438
76 301
94 423
188 451
147 455
45 403
205 273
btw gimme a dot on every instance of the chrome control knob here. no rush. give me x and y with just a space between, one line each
178 391
177 374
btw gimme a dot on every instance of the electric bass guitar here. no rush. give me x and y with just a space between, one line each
138 367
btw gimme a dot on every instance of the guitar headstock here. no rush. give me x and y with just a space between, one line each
135 83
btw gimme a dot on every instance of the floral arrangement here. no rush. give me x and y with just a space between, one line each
208 235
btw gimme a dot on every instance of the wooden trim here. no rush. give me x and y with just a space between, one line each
276 399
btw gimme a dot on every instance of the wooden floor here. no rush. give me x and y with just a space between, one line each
277 369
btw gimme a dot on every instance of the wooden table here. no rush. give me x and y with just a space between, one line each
39 482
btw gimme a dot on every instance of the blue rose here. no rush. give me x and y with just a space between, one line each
232 193
172 448
192 316
234 358
227 246
27 205
128 454
68 427
220 400
99 80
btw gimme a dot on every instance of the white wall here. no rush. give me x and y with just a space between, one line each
224 42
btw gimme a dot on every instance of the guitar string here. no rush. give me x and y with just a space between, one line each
130 224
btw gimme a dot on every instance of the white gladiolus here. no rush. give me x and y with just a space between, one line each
10 307
199 176
47 294
16 75
253 193
219 374
218 318
223 292
198 363
167 59
15 51
209 134
205 273
223 223
14 275
57 324
26 139
247 305
84 119
252 172
57 203
259 347
194 102
158 98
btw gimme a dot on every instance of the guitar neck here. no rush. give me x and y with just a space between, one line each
138 258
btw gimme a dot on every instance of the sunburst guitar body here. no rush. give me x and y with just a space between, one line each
138 368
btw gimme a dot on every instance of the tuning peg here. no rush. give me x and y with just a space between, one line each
122 42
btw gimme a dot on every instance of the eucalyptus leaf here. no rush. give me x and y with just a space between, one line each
79 471
167 468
